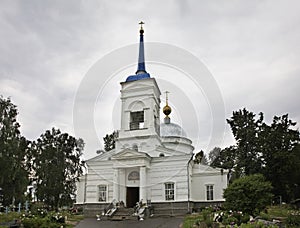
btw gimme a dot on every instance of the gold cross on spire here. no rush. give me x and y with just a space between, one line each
141 23
167 109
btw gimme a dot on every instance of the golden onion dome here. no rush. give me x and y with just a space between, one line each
167 110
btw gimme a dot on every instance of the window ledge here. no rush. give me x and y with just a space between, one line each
137 129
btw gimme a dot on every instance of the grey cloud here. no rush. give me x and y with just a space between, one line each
251 48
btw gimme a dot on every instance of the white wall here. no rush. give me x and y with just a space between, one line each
99 173
168 169
199 181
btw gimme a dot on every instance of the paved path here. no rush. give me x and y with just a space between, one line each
173 222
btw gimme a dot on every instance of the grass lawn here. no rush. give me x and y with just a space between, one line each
74 219
190 220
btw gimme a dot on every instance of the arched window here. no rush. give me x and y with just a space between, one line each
161 155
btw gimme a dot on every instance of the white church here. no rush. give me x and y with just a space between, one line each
152 161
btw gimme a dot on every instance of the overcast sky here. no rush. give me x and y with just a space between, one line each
251 49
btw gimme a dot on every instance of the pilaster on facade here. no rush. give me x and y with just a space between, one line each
143 184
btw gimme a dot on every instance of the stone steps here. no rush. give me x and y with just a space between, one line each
123 213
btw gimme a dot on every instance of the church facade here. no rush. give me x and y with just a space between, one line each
152 161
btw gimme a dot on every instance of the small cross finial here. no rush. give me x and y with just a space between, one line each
141 29
141 23
167 92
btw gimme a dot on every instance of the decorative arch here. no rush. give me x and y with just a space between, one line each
136 106
134 175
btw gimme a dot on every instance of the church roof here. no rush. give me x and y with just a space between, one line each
171 129
141 72
168 129
137 77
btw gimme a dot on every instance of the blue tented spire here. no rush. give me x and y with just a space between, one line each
141 64
141 72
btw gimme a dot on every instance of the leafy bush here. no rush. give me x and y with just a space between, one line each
36 207
235 218
293 219
41 220
264 216
9 217
229 220
244 218
207 216
35 222
250 194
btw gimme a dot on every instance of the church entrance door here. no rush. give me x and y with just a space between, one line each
132 196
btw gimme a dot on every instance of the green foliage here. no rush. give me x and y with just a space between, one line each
230 220
235 218
198 157
38 222
257 225
280 156
214 154
249 194
190 220
57 166
110 141
51 220
226 158
272 150
14 155
244 127
207 217
204 219
284 213
31 221
9 217
293 219
279 211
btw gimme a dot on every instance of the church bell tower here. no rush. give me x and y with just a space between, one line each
140 97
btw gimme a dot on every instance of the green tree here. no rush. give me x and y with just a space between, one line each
14 155
295 175
57 165
280 155
245 129
198 157
250 194
214 154
226 159
262 148
110 141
